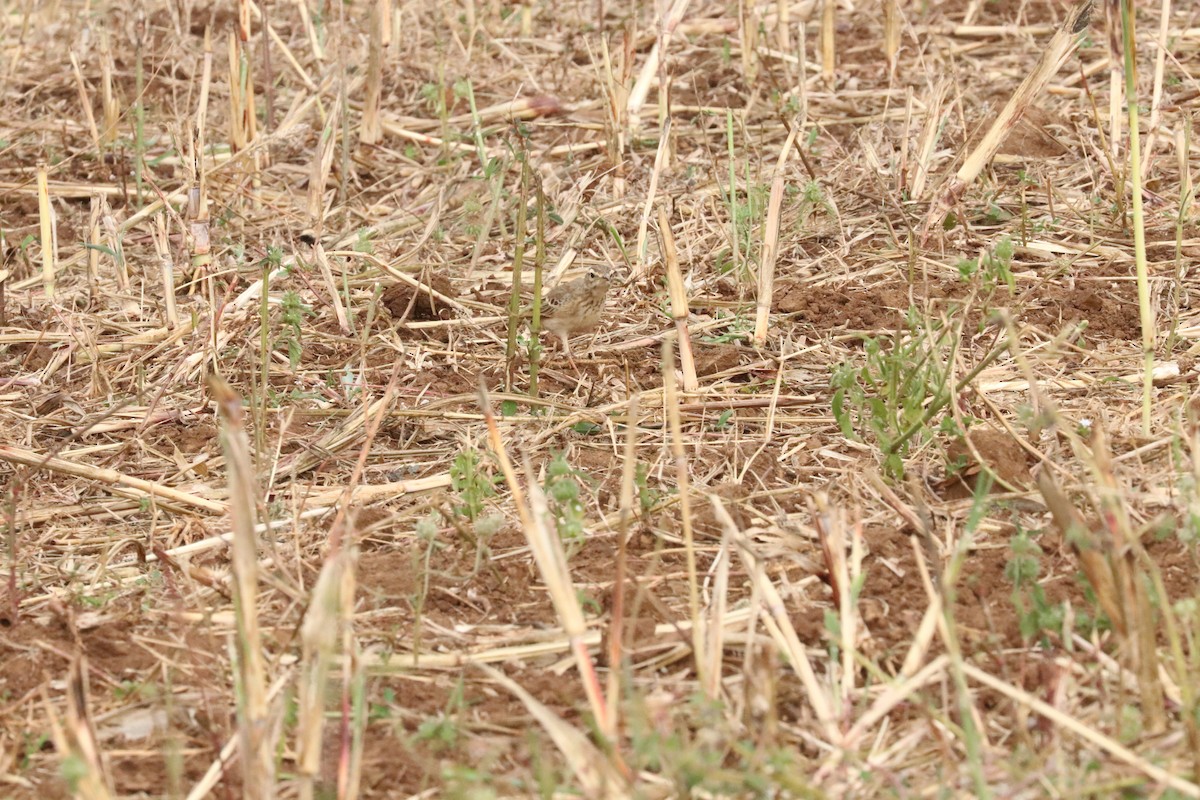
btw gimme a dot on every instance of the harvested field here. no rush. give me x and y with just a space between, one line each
878 476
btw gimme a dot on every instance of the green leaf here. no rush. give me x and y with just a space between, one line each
107 250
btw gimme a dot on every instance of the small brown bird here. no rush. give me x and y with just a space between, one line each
575 307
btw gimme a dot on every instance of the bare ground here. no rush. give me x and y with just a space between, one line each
118 488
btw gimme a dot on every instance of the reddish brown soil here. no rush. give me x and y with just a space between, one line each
1104 305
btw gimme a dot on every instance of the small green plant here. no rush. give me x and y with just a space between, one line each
648 496
383 709
468 782
693 746
1035 614
472 484
443 731
293 313
885 393
740 329
564 492
34 744
434 97
746 215
363 243
440 731
427 529
994 266
813 200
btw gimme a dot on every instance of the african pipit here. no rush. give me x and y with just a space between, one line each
575 307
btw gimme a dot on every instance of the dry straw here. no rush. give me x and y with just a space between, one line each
781 615
49 235
1058 49
257 722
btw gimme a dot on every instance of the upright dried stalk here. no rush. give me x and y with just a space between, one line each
616 630
828 43
108 98
162 246
1160 64
679 302
1116 83
770 244
254 720
243 121
86 102
641 89
198 235
1145 310
675 427
660 158
891 33
48 232
93 254
371 131
318 637
514 297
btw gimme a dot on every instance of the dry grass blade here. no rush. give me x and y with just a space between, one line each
93 248
616 631
125 485
671 17
780 626
845 575
337 440
547 549
257 736
552 563
319 639
1087 733
595 773
1087 546
166 266
86 102
322 163
75 738
679 302
49 237
1061 45
1141 618
335 297
675 424
871 413
370 130
660 161
770 243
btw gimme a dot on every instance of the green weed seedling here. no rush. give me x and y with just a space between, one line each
444 731
293 313
471 483
474 486
1035 614
991 270
648 496
564 491
880 396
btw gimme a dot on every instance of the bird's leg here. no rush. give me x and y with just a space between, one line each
567 349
